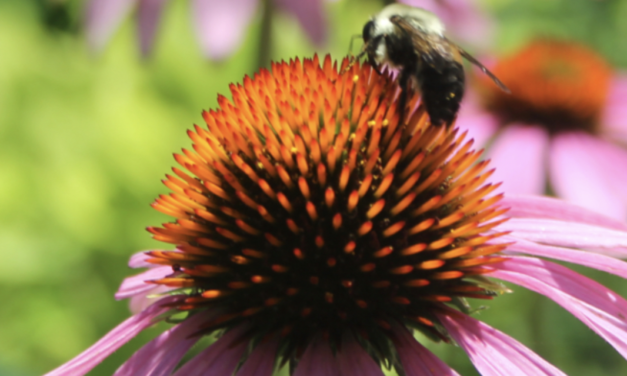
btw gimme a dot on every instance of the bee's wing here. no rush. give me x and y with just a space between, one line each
485 70
429 48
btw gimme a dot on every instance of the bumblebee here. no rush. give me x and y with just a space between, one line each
412 41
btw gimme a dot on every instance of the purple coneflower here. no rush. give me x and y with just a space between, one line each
219 25
561 127
316 231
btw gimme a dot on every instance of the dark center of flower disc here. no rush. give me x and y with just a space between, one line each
311 210
560 85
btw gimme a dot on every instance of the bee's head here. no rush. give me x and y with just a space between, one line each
368 31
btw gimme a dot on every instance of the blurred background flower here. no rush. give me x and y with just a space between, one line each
563 128
83 141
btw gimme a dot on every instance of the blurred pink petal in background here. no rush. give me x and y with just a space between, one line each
464 20
220 26
103 17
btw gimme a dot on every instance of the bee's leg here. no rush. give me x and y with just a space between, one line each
370 50
351 61
350 44
404 78
374 65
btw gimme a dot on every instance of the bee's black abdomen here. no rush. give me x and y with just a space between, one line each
442 91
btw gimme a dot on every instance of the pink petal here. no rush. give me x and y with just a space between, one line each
140 302
518 155
138 260
550 208
598 307
221 25
589 259
310 14
354 360
493 352
160 356
416 359
318 360
614 118
102 18
575 175
261 360
220 358
611 162
148 18
136 285
568 234
481 125
112 341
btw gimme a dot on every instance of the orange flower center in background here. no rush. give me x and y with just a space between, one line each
563 86
309 209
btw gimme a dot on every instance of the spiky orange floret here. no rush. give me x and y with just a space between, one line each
308 208
561 85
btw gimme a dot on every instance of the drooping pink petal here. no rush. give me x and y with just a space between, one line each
492 352
221 25
590 259
138 260
568 234
102 18
148 18
318 360
602 310
614 118
140 302
136 285
522 206
518 155
354 360
160 356
113 340
575 176
220 358
416 359
311 16
143 294
261 360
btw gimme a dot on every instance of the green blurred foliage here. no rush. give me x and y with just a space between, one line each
84 141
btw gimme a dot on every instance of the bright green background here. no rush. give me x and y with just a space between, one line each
84 141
